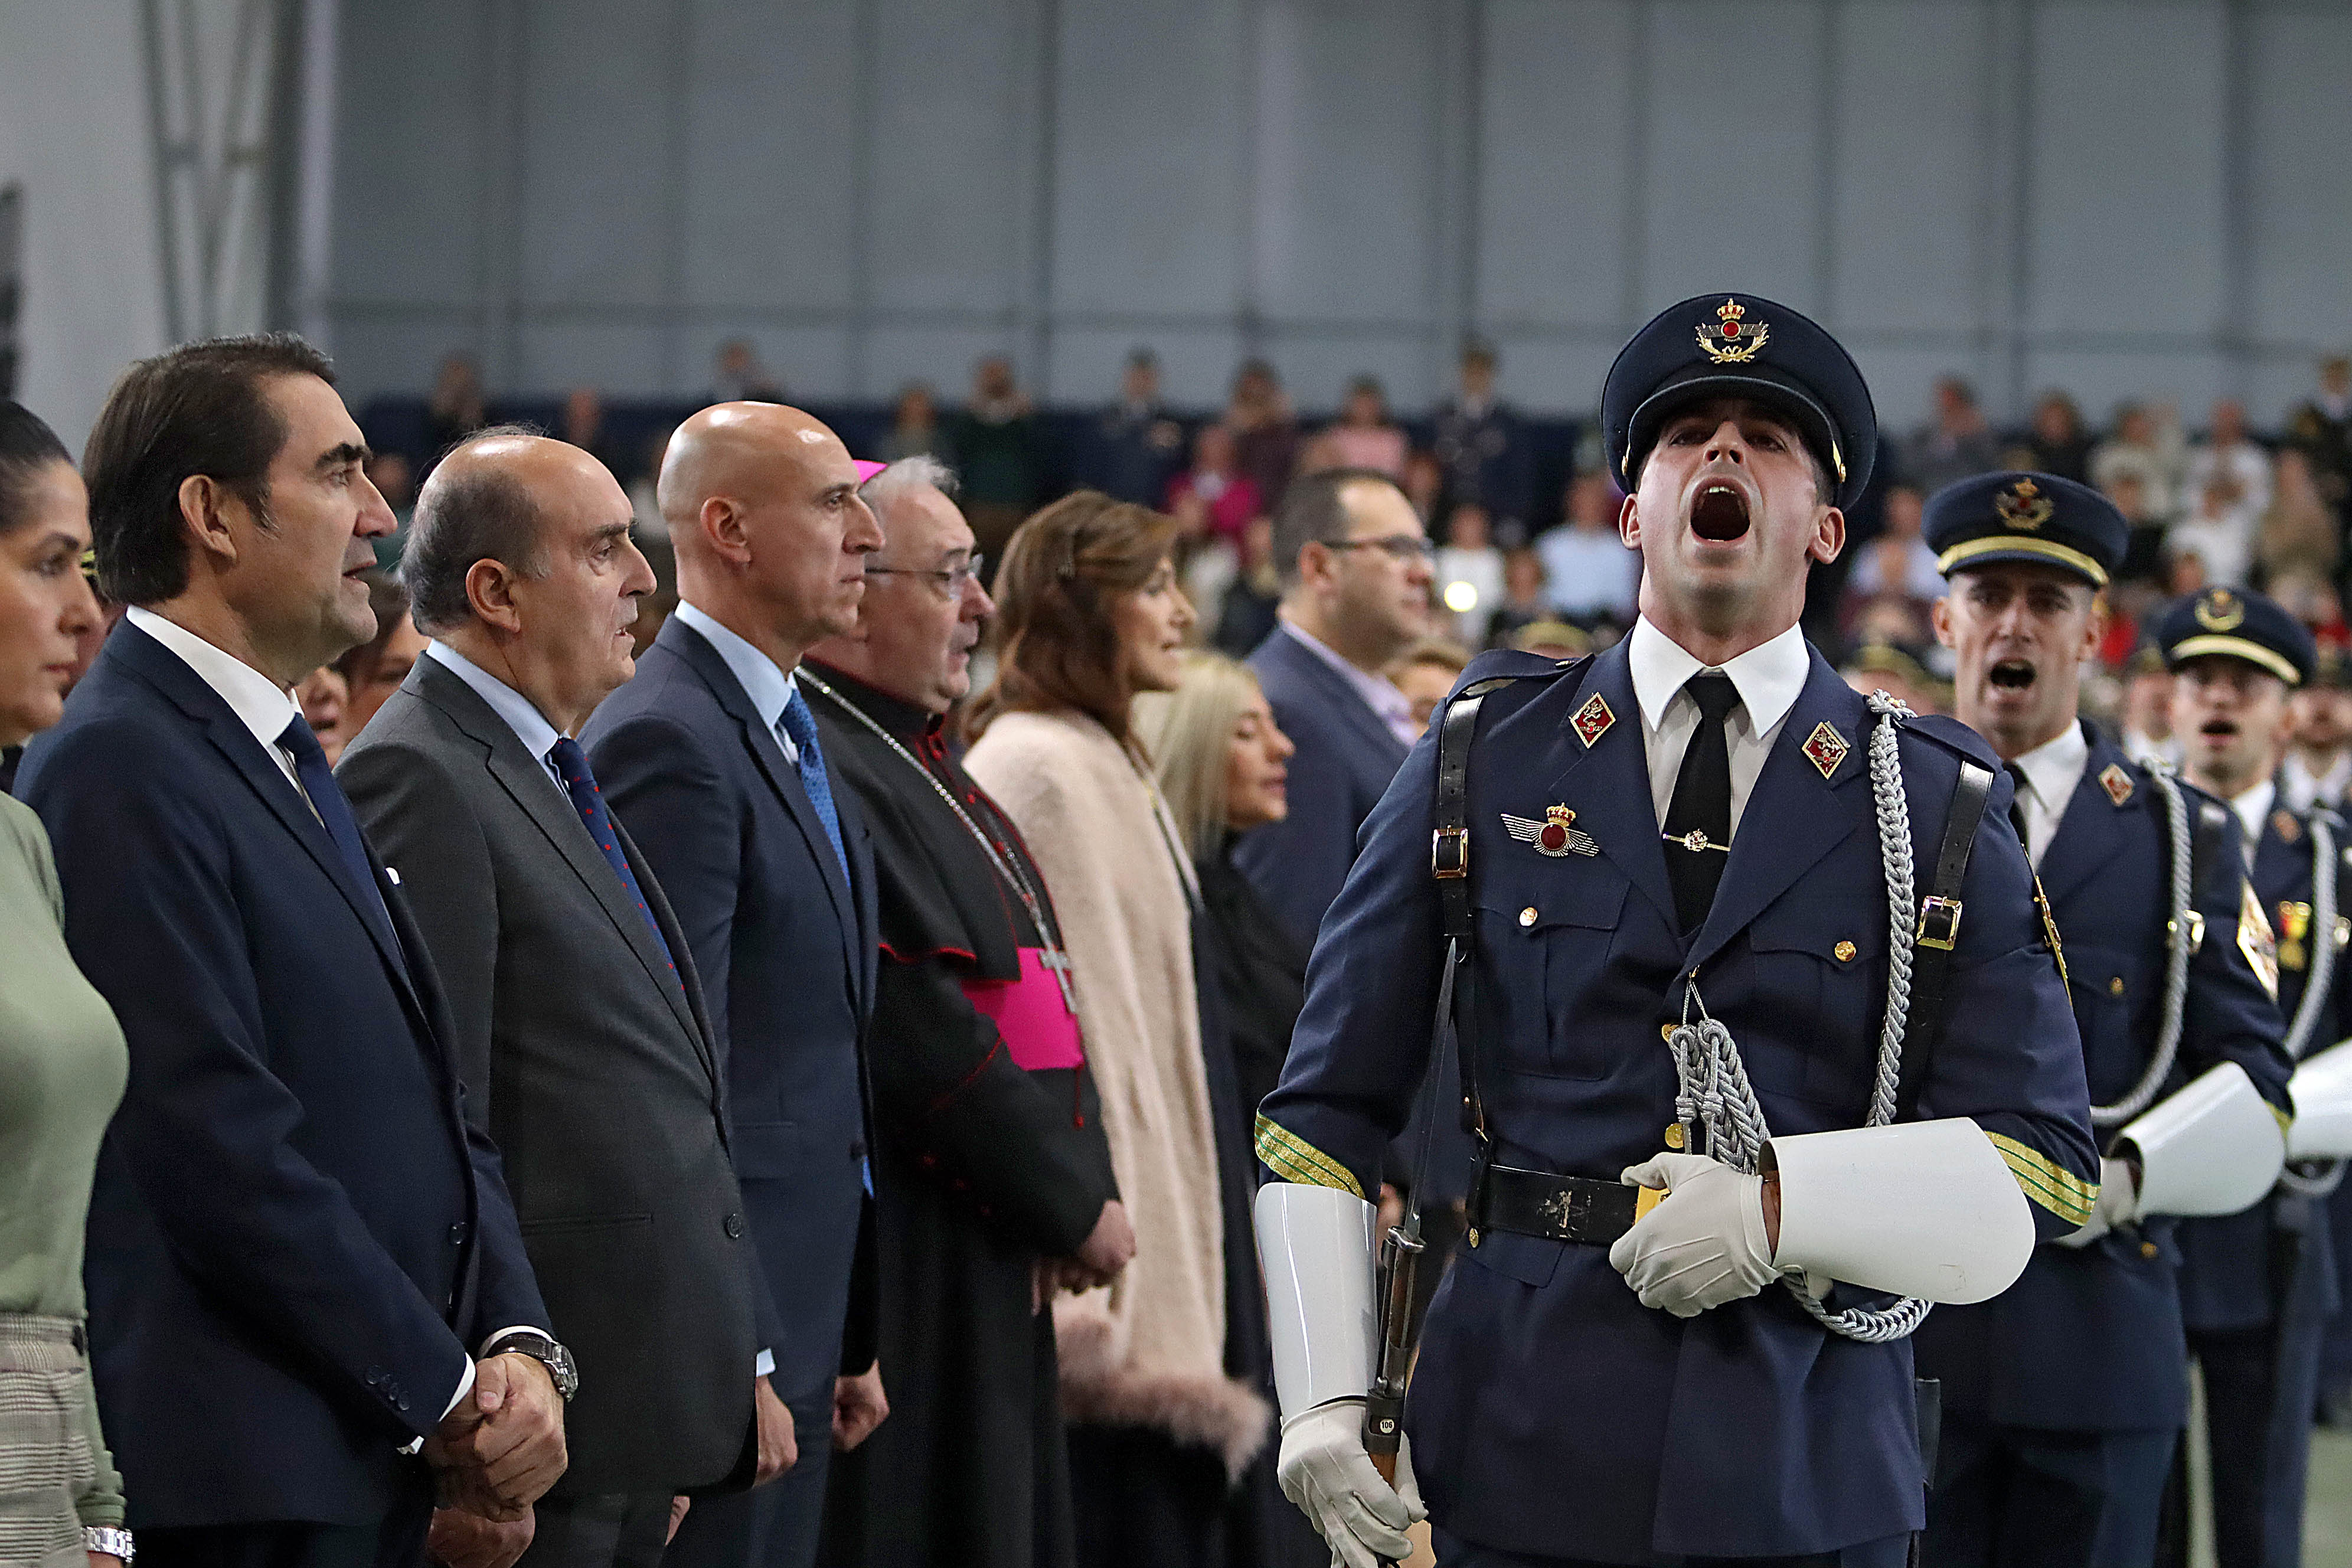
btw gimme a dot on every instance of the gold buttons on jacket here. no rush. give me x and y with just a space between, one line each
2147 1249
1527 916
1666 1032
2115 986
1674 1138
1844 951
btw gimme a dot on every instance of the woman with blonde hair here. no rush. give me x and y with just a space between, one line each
1090 615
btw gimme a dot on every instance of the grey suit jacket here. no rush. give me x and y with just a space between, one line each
589 1061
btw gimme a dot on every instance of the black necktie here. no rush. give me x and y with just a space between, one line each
1698 819
2017 807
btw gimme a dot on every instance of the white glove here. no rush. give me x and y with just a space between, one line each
2119 1204
1325 1470
1703 1244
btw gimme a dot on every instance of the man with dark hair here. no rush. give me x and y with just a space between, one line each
1484 450
1356 570
304 1266
571 984
1137 445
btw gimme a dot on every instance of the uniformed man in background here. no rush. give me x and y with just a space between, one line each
2257 1288
2063 1398
1672 868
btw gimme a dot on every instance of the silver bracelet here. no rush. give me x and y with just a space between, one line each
110 1540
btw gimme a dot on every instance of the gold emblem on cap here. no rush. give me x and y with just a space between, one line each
1825 747
2024 506
2220 610
2117 783
1733 339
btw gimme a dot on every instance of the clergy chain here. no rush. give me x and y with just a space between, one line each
1056 958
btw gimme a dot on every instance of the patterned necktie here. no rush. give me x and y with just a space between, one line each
799 723
335 812
1699 818
572 764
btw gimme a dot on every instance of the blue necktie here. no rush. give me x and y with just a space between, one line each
335 812
801 725
572 765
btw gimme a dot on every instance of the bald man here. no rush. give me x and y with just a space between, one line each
602 1090
710 757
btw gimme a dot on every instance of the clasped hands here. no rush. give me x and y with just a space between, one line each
1099 1259
494 1455
1710 1240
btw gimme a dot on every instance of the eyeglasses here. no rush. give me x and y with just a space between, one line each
954 579
1406 547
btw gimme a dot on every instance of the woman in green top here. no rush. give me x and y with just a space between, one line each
62 1061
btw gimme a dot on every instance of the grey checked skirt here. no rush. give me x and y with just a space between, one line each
45 1458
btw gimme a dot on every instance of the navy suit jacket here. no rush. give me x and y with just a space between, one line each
2090 1338
786 948
1346 757
295 1238
1553 1413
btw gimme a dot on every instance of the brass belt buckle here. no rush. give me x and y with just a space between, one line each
1449 854
1939 922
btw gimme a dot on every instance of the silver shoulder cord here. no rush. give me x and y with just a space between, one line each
1057 957
1714 1094
2318 980
2183 935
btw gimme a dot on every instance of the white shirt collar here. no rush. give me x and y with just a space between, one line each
768 686
521 714
2054 768
1380 694
2253 809
1769 677
260 704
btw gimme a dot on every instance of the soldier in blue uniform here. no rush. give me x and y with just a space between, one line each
1700 879
2257 1288
2064 1397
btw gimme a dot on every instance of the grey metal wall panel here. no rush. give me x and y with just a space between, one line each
597 114
2300 157
409 193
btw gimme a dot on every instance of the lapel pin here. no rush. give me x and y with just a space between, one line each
2117 783
2284 824
1592 719
1556 836
1825 747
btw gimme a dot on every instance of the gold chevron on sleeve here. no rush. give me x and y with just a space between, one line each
2285 1118
2052 1186
1293 1159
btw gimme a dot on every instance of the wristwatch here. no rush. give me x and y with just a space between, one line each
543 1349
109 1540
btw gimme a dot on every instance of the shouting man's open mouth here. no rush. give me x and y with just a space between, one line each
1720 511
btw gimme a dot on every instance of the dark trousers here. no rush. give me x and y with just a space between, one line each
397 1540
2258 1385
2018 1497
1141 1500
774 1526
602 1529
1453 1551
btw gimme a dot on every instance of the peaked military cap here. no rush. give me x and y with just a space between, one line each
2025 517
2232 623
1737 345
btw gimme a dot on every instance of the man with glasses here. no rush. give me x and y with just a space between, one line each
1355 564
992 1183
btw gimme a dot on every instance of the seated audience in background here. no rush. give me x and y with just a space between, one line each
1897 561
1954 444
1213 499
297 1247
1875 666
2184 568
914 426
1589 576
1161 1374
2315 602
457 408
2318 768
1355 567
1426 672
992 1180
1137 443
324 697
1000 452
1266 432
1551 639
2297 536
1483 450
2144 715
737 376
1896 619
710 757
1254 598
584 426
1524 598
1469 572
2142 559
2321 428
65 1062
2218 530
2055 441
2228 473
1424 486
646 523
601 1090
2147 443
373 670
395 481
1363 437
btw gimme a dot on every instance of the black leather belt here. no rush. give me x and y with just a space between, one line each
1557 1208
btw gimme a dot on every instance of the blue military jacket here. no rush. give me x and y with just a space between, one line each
2090 1339
2233 1268
1553 1413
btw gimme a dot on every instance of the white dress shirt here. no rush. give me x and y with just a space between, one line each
1768 678
768 685
1380 694
2253 809
2051 770
521 714
2305 789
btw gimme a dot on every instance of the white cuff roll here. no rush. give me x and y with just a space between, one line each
1923 1208
2322 1092
1315 1245
2213 1147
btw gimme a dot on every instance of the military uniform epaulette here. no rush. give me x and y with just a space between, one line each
1954 736
1517 665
